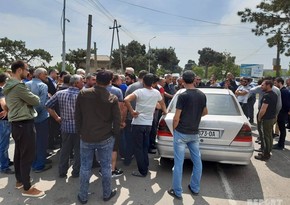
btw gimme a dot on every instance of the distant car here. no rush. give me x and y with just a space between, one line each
225 133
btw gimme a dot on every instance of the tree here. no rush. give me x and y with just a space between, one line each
272 18
209 57
167 59
77 57
68 67
190 64
15 50
134 55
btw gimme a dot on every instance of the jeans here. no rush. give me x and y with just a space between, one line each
5 131
141 145
23 133
41 144
179 142
70 141
104 150
127 142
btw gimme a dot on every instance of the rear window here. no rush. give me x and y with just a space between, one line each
217 104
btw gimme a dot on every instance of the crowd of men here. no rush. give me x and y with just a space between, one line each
94 118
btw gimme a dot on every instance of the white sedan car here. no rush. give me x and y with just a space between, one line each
225 133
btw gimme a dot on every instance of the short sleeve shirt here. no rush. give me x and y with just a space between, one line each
270 98
191 103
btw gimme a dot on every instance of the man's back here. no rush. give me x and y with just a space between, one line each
96 125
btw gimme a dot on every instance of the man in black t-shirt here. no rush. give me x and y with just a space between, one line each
190 107
267 117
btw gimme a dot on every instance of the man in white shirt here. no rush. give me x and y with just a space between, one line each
146 101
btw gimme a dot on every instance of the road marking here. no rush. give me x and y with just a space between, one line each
229 192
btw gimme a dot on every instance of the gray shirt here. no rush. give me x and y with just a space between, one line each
258 90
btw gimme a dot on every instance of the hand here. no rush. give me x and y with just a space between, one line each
58 119
122 125
3 114
134 114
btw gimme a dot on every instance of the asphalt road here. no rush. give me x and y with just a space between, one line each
257 183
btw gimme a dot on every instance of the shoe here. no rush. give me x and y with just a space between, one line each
117 173
137 174
33 192
172 193
10 163
251 121
276 146
113 193
46 167
262 157
8 171
62 175
19 185
193 193
82 201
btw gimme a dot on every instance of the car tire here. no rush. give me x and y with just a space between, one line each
166 162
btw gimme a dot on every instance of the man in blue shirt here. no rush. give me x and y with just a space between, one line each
39 88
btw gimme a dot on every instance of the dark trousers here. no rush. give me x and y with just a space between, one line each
245 108
141 144
267 137
281 120
54 132
153 131
23 133
41 144
251 103
70 142
127 143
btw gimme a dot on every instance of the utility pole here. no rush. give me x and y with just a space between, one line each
116 26
149 51
277 65
95 56
63 36
89 44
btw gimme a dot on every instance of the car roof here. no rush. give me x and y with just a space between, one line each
211 90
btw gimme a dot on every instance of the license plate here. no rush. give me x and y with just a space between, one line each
209 133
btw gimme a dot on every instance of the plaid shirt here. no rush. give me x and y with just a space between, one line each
66 99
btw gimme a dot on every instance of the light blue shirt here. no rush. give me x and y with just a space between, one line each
39 88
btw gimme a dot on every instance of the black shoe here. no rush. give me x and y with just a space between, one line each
113 193
81 201
117 173
137 174
10 163
262 157
276 146
193 193
275 135
46 167
251 121
8 171
172 193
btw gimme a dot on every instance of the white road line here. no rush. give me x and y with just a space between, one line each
229 192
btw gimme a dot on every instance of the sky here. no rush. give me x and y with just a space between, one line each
187 26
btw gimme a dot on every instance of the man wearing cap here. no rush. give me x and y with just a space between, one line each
190 107
98 121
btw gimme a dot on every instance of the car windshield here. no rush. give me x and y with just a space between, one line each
217 104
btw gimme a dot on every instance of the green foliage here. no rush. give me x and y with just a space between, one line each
198 70
190 64
134 55
209 57
272 17
76 57
68 67
15 50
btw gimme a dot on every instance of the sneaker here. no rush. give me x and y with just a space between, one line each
33 192
46 167
19 185
8 171
113 193
278 147
117 173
